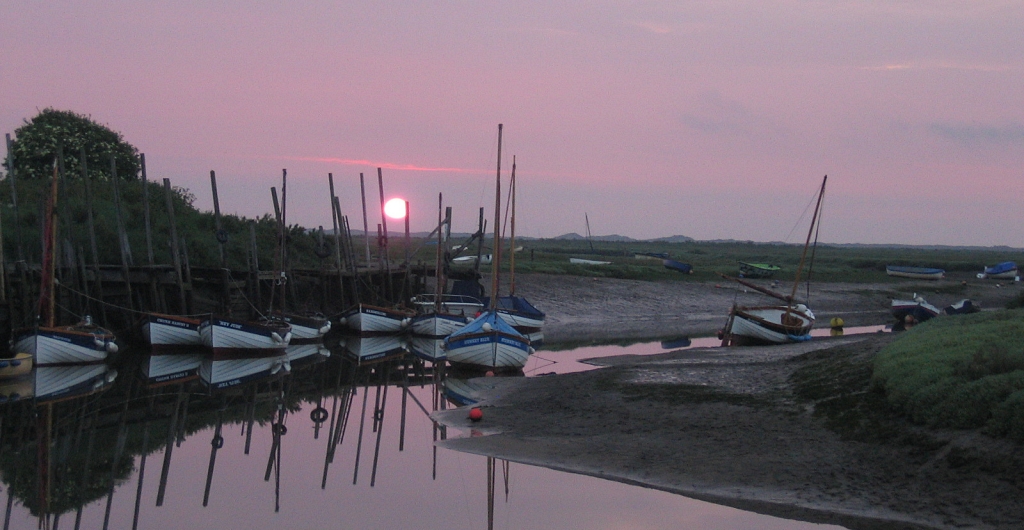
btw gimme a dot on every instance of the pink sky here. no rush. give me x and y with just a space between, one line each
707 119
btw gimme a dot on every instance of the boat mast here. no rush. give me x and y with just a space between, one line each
496 258
512 238
47 291
438 272
810 231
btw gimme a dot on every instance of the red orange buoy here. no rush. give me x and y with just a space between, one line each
475 414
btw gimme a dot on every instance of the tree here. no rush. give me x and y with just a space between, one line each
36 145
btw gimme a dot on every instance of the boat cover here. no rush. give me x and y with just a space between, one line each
516 304
1005 266
477 325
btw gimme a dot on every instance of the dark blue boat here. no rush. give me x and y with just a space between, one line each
672 264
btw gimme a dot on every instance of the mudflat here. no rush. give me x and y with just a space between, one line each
738 426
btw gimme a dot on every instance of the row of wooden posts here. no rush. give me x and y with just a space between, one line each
115 295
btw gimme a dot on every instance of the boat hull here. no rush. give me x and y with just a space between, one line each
165 369
437 324
367 319
916 273
764 325
374 348
65 345
495 350
919 310
170 331
229 338
305 329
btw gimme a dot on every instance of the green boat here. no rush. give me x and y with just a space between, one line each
757 270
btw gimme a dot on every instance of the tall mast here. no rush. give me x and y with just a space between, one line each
810 231
512 238
496 258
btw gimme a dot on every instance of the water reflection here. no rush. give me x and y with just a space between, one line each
313 436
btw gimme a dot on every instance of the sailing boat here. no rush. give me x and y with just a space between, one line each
517 311
774 324
48 343
436 319
488 341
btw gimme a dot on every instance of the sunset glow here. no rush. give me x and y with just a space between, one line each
395 208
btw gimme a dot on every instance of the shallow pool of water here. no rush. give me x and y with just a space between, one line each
254 456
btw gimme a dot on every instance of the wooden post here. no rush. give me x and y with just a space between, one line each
97 279
221 240
335 215
154 292
145 210
175 251
384 242
254 266
126 251
366 226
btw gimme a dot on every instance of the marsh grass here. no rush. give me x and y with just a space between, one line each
965 372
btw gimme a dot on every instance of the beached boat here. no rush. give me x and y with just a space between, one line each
757 270
917 309
16 366
776 324
581 261
771 324
437 324
171 331
485 259
231 338
963 307
84 342
305 328
917 273
679 266
518 312
370 319
1006 270
490 341
49 343
455 304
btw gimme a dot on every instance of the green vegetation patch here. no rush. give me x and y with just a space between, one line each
964 372
679 394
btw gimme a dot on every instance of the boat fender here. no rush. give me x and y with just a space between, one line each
324 351
318 415
324 329
217 442
405 322
342 320
275 337
279 429
97 384
111 375
99 343
287 337
112 347
836 322
531 351
486 327
287 366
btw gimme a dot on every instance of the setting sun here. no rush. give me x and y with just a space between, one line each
395 208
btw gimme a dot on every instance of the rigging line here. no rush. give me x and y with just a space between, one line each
800 220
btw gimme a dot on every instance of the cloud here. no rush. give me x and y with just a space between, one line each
1011 133
383 165
940 66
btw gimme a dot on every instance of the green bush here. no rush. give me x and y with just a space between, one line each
959 372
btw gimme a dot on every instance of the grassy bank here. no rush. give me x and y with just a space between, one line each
963 373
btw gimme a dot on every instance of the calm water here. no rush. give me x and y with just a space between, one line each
388 477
